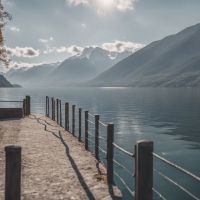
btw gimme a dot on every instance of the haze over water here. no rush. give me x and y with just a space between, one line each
169 117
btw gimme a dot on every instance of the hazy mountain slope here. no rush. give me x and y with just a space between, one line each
162 63
31 76
4 82
73 71
76 69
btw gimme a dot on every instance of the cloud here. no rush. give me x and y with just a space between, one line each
44 41
14 29
104 5
123 5
23 52
83 25
116 46
77 2
23 65
73 50
121 46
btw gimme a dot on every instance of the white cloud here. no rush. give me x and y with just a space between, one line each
121 46
14 29
44 41
73 50
103 6
23 52
77 2
123 5
23 65
83 25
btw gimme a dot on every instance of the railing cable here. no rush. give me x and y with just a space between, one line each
123 167
100 122
123 150
125 185
176 184
177 167
91 122
159 194
102 150
11 101
91 114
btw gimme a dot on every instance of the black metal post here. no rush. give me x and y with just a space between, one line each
57 111
97 136
86 130
73 119
67 116
110 152
144 170
13 173
80 124
60 113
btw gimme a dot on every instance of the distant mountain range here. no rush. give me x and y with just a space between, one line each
4 82
79 68
171 62
36 75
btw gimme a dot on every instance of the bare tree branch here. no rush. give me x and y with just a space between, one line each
4 18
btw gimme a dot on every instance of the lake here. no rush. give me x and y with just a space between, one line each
169 117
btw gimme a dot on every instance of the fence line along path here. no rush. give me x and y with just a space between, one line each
54 164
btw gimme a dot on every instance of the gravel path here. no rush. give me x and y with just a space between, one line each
54 165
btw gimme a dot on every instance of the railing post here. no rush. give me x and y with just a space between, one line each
67 116
60 113
110 152
28 105
57 111
80 124
47 106
86 130
144 170
24 107
97 137
52 108
73 119
13 173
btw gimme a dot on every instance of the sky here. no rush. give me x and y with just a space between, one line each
46 31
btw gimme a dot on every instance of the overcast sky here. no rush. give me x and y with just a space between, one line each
52 30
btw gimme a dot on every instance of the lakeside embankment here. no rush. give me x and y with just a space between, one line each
54 164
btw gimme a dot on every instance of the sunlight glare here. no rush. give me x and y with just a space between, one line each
105 4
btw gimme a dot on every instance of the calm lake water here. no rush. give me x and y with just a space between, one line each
169 117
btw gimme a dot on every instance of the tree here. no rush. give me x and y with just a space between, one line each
4 18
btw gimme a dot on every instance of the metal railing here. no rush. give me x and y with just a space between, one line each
173 182
26 104
7 101
143 156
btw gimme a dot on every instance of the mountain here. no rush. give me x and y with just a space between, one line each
4 82
35 75
171 62
81 67
73 70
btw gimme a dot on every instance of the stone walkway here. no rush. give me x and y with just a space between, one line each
54 165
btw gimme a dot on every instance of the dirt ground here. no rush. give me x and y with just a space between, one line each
54 165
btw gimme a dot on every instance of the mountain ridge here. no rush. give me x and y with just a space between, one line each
154 64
